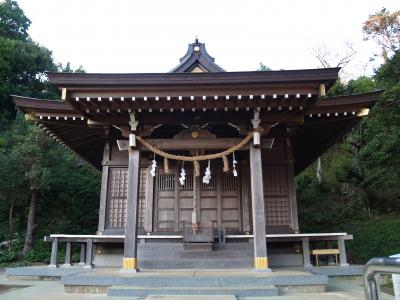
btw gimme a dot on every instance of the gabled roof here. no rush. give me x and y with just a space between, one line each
327 76
197 59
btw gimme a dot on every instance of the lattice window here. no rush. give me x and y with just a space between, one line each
276 194
166 182
188 186
142 197
117 197
212 186
229 182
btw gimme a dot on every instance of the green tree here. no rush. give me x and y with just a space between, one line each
263 67
68 69
23 63
13 22
33 166
35 155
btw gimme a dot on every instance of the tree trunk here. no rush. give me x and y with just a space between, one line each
10 225
30 226
319 169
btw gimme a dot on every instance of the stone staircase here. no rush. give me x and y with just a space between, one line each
241 283
122 291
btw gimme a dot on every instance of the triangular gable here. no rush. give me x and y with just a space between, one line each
197 60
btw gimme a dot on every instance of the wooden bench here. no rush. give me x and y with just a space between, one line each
317 252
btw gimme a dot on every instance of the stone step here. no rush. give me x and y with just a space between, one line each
194 281
196 247
198 263
248 291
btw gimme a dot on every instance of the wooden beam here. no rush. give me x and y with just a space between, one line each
186 144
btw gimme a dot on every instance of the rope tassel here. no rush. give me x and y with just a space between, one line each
196 166
166 165
226 164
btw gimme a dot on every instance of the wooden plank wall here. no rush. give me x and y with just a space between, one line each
279 199
117 196
219 200
226 201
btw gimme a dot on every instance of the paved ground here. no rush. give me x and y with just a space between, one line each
346 289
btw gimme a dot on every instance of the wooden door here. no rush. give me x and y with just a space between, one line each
219 201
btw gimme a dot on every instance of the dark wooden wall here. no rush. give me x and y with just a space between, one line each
219 200
279 189
226 201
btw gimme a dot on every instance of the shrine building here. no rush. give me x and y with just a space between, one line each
198 165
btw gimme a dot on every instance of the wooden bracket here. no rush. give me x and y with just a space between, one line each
133 122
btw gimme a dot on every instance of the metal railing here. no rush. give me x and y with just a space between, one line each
375 267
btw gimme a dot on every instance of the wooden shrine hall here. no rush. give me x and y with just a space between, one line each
198 164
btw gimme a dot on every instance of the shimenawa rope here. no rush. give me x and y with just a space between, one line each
161 153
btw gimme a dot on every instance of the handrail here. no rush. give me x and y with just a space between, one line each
375 267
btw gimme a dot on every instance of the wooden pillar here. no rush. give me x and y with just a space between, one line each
196 194
83 254
219 197
148 224
342 252
244 178
257 198
131 227
104 186
89 254
176 198
54 250
67 262
292 187
306 253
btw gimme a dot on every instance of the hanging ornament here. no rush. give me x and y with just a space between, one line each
183 176
153 166
234 162
207 174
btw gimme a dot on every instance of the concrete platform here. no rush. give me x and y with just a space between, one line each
248 291
43 272
239 282
332 271
243 283
344 288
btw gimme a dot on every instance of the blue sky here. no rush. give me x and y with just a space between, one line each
127 36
